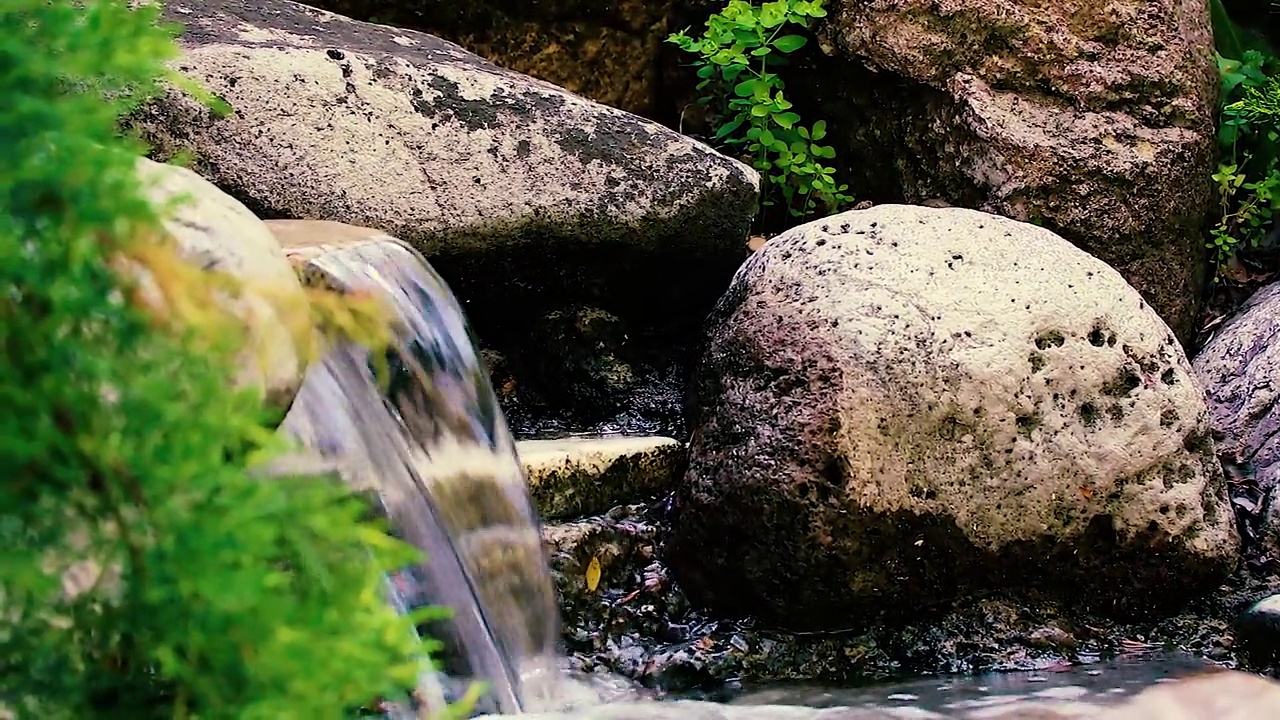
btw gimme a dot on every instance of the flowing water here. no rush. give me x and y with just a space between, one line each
435 451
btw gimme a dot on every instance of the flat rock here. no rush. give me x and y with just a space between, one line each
512 187
902 406
574 477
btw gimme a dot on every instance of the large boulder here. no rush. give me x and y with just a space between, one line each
216 232
1238 367
904 405
1094 120
521 194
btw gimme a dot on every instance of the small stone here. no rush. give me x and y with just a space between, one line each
1258 631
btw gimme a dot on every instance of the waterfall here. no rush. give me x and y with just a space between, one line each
435 451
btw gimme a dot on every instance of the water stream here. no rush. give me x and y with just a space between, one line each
435 451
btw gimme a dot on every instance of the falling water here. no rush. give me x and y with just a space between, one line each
435 450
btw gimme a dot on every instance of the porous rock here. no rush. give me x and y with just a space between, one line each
903 405
1093 119
1238 367
515 189
216 232
579 476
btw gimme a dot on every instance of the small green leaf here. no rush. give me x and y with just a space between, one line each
729 128
790 43
751 88
786 119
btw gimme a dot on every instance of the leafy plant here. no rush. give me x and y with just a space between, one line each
738 52
146 572
1248 176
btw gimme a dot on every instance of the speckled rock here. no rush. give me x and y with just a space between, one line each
905 405
515 189
215 231
1095 120
1238 368
579 476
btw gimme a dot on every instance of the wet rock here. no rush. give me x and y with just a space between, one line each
218 233
1095 120
1258 632
1238 367
903 406
580 476
523 195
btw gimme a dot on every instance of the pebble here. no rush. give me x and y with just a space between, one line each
1258 631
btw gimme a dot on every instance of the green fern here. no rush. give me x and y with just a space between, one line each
225 596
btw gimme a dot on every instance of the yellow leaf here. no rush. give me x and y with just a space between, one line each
593 574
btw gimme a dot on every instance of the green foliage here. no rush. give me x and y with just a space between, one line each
737 54
1247 179
203 591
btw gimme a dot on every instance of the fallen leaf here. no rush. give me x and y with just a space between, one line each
593 574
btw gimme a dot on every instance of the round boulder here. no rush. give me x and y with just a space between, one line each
903 406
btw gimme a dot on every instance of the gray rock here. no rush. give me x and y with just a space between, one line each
514 188
902 406
1238 368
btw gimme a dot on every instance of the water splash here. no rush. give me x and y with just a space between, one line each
435 450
